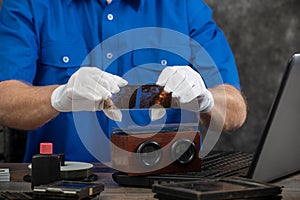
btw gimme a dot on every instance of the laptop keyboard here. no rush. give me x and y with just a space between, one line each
216 165
226 164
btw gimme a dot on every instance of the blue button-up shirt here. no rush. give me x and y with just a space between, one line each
44 42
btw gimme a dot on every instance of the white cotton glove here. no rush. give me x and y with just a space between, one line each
186 84
87 90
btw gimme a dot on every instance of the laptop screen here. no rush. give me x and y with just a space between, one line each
278 153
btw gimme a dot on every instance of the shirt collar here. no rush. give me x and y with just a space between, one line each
136 4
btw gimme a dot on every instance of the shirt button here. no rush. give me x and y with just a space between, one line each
66 59
109 55
110 17
164 62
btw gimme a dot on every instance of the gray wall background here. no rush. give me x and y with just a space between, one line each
263 35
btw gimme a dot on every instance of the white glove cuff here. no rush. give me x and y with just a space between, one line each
56 100
206 102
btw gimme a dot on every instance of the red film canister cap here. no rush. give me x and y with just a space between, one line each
46 148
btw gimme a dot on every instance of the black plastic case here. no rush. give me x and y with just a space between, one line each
217 189
68 190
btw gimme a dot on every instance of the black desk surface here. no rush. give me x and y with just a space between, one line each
112 191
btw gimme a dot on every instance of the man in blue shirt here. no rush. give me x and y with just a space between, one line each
61 60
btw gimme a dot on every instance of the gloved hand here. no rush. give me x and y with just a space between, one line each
186 84
87 90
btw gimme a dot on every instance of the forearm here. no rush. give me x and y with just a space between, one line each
230 108
25 107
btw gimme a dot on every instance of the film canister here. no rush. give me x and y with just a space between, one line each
45 166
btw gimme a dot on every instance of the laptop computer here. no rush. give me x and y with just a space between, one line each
276 156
